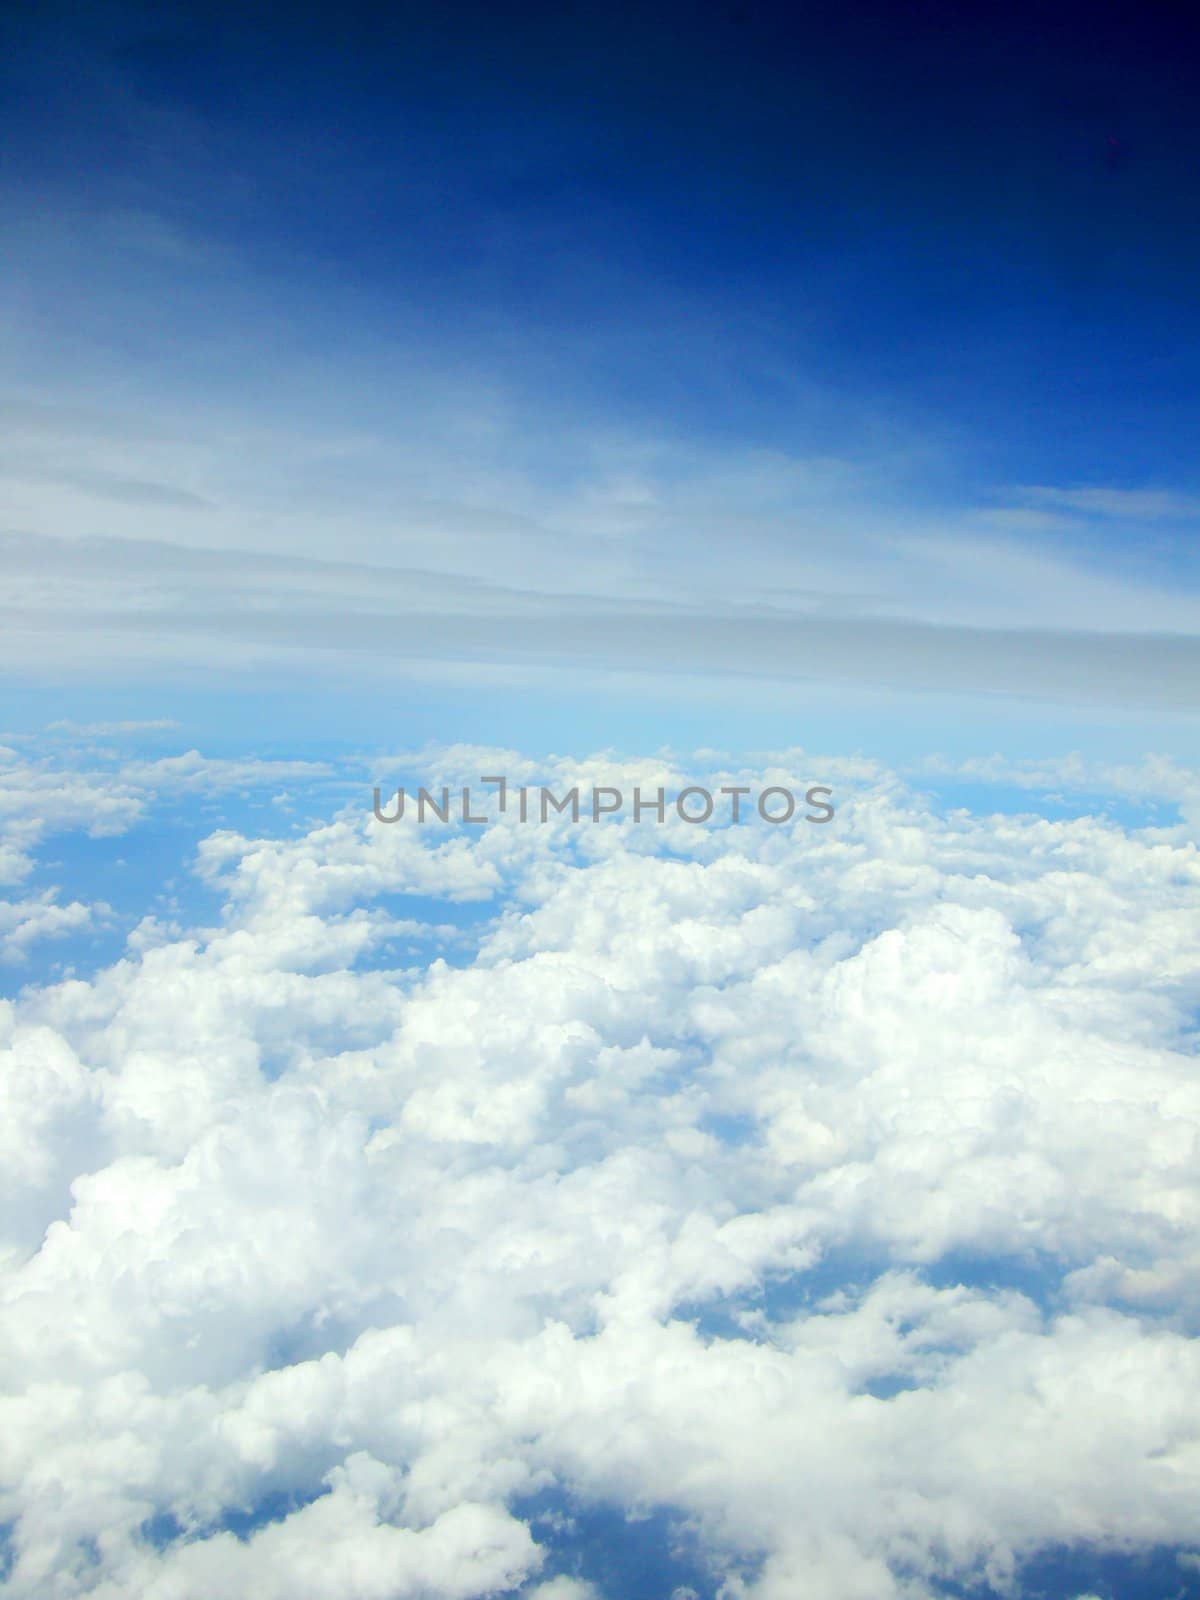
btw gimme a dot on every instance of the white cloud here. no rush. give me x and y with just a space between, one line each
562 1588
143 544
1135 505
108 730
23 922
906 611
98 795
686 1189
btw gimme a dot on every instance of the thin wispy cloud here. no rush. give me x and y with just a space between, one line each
1133 505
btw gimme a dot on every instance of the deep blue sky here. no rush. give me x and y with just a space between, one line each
984 215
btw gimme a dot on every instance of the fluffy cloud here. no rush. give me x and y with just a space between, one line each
84 789
832 1190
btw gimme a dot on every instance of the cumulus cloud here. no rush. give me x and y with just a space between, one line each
23 922
97 794
829 1190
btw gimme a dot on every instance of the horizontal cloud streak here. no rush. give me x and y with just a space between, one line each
138 604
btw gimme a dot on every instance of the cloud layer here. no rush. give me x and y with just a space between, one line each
832 1191
478 530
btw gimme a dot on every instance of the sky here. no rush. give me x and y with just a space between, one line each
821 366
616 1207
